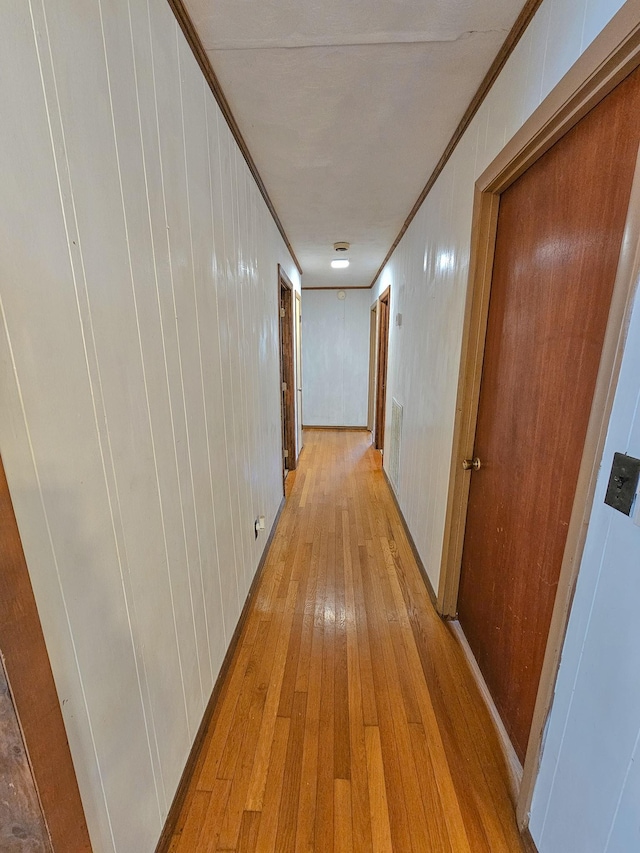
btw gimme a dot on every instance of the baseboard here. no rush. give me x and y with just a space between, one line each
528 842
412 544
514 767
349 428
183 786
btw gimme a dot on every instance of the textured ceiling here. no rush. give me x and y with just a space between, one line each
347 107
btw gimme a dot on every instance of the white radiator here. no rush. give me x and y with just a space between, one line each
395 440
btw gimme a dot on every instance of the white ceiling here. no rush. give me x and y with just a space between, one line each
346 108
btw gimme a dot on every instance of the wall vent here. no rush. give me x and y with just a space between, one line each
395 440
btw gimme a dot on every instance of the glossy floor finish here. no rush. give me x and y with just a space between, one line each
348 719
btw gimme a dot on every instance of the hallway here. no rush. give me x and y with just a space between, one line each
348 719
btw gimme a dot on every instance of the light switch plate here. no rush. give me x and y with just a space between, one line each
623 483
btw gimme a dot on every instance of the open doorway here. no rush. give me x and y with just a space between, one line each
381 376
287 373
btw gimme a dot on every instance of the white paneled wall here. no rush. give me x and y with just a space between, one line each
139 388
429 269
335 343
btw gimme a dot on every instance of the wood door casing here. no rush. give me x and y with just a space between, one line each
22 825
383 354
33 691
559 233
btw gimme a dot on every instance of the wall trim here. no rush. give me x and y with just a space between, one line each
193 39
213 705
613 55
510 43
512 762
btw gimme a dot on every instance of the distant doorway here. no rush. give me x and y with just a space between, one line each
382 359
298 366
287 373
373 349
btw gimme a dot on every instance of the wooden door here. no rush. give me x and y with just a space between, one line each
287 375
381 384
559 234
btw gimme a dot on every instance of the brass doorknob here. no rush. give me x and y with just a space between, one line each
474 463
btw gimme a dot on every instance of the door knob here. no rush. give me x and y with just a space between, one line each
474 463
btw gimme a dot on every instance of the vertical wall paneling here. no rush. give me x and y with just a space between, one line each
138 384
222 275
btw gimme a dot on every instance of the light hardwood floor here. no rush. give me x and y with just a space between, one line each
348 720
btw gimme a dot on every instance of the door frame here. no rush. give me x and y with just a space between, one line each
373 365
33 691
380 408
297 346
287 369
613 55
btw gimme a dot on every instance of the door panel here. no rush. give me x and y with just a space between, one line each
287 376
383 352
559 234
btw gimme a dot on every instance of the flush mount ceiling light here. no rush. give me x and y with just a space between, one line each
341 264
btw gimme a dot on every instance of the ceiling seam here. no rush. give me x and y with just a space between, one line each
363 43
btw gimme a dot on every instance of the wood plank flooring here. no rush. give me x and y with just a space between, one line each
348 720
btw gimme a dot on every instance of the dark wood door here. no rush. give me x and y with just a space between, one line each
383 352
287 375
560 229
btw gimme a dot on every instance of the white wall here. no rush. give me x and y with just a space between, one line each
588 793
139 383
335 344
428 272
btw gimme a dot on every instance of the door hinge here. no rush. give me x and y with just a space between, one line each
284 386
286 454
282 311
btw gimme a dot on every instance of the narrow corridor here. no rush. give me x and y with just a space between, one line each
348 719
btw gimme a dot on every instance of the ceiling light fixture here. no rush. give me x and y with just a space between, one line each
340 265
